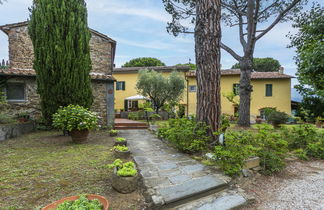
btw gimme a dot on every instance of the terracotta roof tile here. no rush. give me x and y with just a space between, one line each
155 68
32 73
254 75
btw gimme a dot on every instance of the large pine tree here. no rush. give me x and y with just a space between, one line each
60 36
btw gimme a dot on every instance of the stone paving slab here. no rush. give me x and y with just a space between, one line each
169 175
215 202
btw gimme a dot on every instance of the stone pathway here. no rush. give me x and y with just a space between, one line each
174 180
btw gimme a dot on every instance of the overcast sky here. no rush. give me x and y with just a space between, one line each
139 27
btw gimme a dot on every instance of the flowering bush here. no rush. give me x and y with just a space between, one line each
75 117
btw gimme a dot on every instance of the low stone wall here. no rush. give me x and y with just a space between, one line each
15 130
163 114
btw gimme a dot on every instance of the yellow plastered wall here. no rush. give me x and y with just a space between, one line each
130 79
281 95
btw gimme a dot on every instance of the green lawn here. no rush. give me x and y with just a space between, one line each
39 168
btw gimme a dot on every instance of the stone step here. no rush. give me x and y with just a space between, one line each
218 201
189 190
129 127
130 124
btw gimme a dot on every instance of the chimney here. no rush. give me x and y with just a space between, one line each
281 70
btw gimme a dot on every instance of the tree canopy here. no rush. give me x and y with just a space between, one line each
254 19
160 89
60 36
309 44
262 65
143 62
190 65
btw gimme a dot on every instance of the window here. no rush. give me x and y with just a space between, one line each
120 86
268 89
15 92
192 88
236 89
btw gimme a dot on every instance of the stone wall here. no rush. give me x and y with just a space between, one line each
21 51
99 90
32 103
15 130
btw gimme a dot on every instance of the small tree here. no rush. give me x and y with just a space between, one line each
262 65
60 36
143 62
160 89
190 65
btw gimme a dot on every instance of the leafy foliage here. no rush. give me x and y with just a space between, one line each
75 117
144 62
60 36
311 107
276 117
309 42
231 156
81 203
121 148
124 169
187 135
120 139
160 89
190 65
263 65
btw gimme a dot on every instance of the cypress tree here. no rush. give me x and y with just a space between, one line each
60 35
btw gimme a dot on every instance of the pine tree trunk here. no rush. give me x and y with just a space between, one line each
207 40
245 92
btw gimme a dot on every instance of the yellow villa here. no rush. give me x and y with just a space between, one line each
270 89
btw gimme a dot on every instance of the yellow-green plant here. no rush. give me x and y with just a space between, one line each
120 139
124 169
121 148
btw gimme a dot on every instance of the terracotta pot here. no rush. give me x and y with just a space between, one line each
258 120
101 199
124 184
122 155
79 136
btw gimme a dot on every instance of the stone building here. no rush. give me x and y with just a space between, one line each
20 77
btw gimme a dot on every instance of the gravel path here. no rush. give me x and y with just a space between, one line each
299 186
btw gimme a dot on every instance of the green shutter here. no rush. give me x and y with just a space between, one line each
124 86
268 89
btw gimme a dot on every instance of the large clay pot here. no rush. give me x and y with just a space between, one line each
124 184
55 204
79 136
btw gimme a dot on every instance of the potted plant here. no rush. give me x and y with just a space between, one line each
125 176
121 151
120 141
113 132
276 118
258 120
23 117
94 202
77 120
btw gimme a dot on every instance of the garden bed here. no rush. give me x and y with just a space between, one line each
14 130
42 167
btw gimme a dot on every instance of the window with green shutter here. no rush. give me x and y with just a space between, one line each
268 89
120 85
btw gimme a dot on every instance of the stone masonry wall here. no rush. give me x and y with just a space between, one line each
32 103
21 51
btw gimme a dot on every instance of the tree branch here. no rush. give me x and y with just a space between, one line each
277 20
230 51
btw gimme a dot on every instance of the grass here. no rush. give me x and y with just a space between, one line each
42 167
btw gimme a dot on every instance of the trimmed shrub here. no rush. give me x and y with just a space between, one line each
187 135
